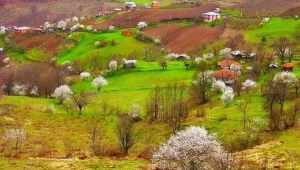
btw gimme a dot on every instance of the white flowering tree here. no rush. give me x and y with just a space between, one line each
208 56
134 111
198 59
15 137
98 82
47 25
142 25
6 60
84 75
227 96
225 53
111 28
75 19
62 93
2 31
113 65
218 86
62 25
189 149
89 28
285 77
248 85
19 89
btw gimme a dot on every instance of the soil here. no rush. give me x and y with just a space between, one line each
178 39
27 41
131 19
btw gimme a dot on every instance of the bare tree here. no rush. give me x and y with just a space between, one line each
280 46
126 132
80 99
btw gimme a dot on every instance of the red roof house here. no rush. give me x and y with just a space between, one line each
287 66
225 75
21 30
126 32
229 64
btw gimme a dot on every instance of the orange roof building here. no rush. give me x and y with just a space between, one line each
154 4
287 66
127 32
225 75
229 64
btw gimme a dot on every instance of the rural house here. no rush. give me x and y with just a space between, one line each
287 67
130 5
225 75
237 53
21 30
210 16
229 64
154 4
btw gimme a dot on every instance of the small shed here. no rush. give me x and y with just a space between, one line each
154 4
210 16
21 30
287 67
237 53
128 64
117 10
130 5
38 31
126 32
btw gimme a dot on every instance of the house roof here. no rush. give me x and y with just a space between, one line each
225 73
226 63
154 2
21 28
129 61
287 65
211 13
237 52
131 4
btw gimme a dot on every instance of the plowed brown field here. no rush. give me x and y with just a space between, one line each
27 41
178 38
131 19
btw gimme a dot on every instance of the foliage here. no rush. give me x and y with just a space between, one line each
248 84
227 96
142 25
113 65
62 25
19 89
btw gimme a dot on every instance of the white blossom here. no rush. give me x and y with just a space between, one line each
208 56
71 68
157 41
82 18
95 30
2 31
19 89
15 134
62 93
187 149
89 28
198 59
61 24
248 84
81 26
6 60
171 56
225 53
227 96
84 75
68 20
113 65
75 19
111 28
288 78
47 25
142 25
134 111
98 82
34 91
218 85
97 43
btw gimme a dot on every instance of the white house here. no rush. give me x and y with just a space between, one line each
210 16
